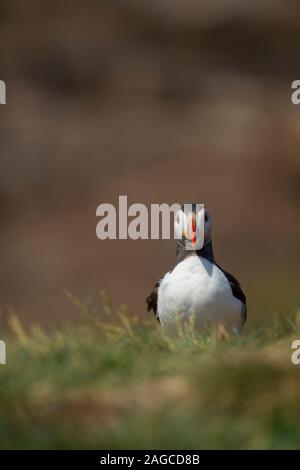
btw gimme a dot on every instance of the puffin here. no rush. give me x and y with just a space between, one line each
196 286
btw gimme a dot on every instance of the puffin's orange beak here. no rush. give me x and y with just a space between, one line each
191 229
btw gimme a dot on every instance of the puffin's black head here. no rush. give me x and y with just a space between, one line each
190 223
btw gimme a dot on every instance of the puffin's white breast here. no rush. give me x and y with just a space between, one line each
198 287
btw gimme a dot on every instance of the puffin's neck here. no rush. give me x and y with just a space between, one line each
206 252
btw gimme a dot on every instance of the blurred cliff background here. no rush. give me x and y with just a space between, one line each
164 101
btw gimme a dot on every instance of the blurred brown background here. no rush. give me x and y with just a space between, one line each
165 101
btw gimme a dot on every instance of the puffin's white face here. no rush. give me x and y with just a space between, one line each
193 226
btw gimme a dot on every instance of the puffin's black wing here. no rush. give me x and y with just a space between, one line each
237 291
151 301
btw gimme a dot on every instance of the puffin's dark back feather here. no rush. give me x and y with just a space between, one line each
237 291
151 301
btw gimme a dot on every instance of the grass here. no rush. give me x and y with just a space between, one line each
117 383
